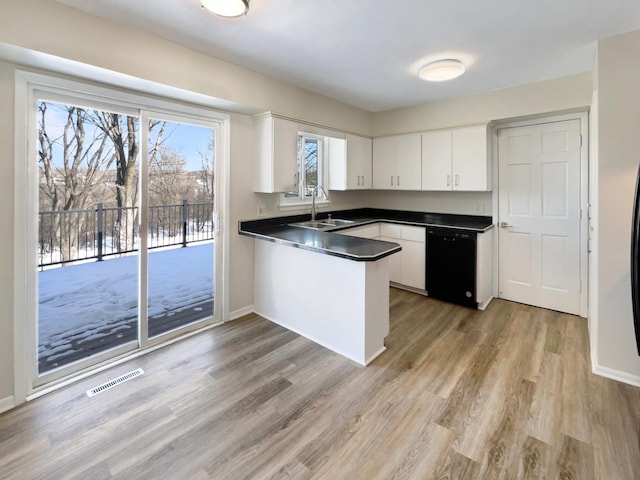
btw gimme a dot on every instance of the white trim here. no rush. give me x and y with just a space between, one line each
25 272
241 312
617 375
7 404
222 205
21 257
592 216
583 117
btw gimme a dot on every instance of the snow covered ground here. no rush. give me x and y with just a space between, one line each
81 303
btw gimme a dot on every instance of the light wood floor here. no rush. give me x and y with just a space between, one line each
459 394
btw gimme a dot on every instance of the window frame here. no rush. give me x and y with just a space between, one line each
30 87
290 200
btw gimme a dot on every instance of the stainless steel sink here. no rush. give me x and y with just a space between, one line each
316 224
322 224
337 222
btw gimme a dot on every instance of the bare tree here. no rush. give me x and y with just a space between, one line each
72 169
205 177
123 132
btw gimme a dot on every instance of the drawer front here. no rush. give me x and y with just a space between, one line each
415 234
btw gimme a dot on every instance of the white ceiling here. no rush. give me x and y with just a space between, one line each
367 52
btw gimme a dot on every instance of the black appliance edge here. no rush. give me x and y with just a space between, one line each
635 262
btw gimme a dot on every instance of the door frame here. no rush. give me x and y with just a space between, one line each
583 117
25 227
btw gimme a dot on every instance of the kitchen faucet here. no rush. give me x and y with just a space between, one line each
313 199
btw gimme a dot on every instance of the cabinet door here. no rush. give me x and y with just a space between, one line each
436 160
359 158
413 263
285 155
384 163
470 163
408 162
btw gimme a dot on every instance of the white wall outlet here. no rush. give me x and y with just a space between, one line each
479 208
261 210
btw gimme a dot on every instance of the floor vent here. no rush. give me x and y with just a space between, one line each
114 382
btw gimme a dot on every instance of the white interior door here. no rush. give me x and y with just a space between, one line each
539 215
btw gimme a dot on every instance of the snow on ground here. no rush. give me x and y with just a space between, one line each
83 302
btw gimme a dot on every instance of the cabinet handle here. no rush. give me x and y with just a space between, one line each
392 180
448 180
398 182
363 180
457 180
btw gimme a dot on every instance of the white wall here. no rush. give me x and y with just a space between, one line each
46 26
36 26
464 203
558 95
6 223
618 77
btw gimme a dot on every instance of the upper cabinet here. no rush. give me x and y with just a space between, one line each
276 162
397 162
350 163
456 159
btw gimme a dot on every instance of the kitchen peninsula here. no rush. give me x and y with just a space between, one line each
330 287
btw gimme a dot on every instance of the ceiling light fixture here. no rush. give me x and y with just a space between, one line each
442 70
227 8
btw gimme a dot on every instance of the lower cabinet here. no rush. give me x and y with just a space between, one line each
368 231
407 267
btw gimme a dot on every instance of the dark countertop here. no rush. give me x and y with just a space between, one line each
280 230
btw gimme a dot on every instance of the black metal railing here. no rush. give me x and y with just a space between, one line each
73 235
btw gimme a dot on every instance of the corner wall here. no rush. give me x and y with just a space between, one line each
618 157
7 200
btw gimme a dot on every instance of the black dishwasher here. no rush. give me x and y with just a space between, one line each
451 265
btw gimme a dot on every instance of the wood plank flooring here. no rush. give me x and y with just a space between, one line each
459 394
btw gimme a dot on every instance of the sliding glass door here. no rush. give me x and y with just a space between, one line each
126 231
180 227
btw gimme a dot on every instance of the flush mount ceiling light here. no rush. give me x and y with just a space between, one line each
442 70
227 8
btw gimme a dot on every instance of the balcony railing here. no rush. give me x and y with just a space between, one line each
67 236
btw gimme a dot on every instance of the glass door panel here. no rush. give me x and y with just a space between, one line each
87 235
180 227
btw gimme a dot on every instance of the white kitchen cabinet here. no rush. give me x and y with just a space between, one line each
408 267
350 163
436 160
276 162
397 163
456 159
484 269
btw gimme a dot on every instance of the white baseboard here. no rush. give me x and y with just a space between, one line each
7 404
485 304
617 375
241 312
